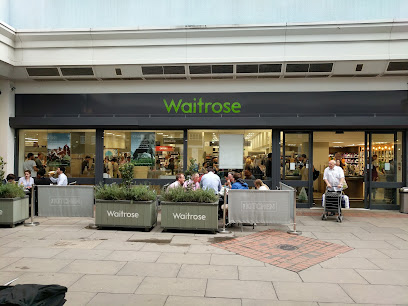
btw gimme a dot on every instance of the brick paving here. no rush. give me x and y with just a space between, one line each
300 253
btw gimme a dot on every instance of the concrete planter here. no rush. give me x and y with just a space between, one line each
189 215
13 211
140 214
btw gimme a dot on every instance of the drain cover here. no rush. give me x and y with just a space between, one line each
287 247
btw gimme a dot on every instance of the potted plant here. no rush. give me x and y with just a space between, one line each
189 209
14 204
125 205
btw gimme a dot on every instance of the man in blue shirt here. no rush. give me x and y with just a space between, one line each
211 181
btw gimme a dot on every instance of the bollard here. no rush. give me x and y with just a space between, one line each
294 231
32 223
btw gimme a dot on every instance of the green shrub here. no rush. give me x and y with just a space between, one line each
126 170
2 172
11 191
179 194
116 192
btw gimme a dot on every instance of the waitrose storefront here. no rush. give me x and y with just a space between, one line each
287 137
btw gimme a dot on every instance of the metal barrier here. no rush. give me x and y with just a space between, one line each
263 206
65 201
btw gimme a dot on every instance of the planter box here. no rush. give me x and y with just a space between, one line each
13 211
189 215
141 214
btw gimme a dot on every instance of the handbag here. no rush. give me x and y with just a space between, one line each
316 174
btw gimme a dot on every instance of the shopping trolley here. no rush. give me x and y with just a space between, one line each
332 203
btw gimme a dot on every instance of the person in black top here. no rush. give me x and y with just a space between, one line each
40 179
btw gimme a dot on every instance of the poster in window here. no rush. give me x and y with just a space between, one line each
58 149
143 147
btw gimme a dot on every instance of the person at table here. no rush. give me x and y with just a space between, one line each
27 181
211 181
30 164
62 179
180 179
259 185
237 182
40 179
192 183
10 179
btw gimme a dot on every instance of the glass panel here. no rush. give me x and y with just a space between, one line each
384 196
348 150
155 154
302 195
386 158
73 149
296 159
203 150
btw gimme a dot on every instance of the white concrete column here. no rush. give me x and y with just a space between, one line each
7 110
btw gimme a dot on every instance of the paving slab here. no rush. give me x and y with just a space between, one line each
240 289
93 267
63 228
112 235
377 236
150 269
383 277
335 276
269 273
120 245
48 278
30 243
361 244
347 229
6 277
201 301
313 292
336 236
188 258
4 241
82 234
391 263
190 240
248 302
234 260
6 261
83 254
33 253
78 298
37 265
107 283
348 263
127 299
402 245
29 234
395 253
365 253
207 249
173 286
208 271
378 294
164 248
75 244
133 256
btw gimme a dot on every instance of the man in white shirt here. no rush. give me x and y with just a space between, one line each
334 177
62 179
179 181
211 181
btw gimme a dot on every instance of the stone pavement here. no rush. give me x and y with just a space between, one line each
123 267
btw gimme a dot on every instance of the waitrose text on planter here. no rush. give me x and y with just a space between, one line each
187 216
121 214
201 107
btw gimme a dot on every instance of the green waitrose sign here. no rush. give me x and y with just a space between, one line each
201 107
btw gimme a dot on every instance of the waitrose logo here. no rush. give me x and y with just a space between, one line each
121 214
200 107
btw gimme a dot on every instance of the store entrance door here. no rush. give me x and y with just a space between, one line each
384 171
296 161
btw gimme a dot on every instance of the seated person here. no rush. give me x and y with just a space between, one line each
179 181
27 181
259 185
10 179
40 179
248 175
62 179
211 181
192 183
237 182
